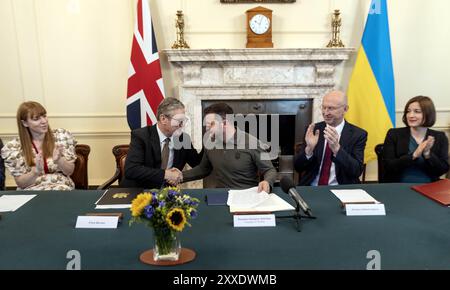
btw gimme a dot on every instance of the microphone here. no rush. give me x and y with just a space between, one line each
288 186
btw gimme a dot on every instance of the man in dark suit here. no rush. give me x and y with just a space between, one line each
333 151
155 151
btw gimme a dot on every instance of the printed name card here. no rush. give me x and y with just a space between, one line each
97 222
254 220
365 209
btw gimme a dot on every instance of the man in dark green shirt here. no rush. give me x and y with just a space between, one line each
234 155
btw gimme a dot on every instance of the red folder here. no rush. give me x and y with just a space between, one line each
438 191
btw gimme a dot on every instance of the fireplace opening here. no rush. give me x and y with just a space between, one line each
293 115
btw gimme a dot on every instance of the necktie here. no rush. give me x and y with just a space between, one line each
165 154
326 166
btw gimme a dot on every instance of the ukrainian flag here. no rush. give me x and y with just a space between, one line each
371 92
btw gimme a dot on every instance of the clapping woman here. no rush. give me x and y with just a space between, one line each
416 153
39 159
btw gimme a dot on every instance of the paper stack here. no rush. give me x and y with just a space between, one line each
252 201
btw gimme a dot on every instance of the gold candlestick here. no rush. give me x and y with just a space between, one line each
179 24
336 24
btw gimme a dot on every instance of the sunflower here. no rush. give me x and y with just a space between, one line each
176 219
139 203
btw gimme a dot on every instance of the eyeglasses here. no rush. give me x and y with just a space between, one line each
181 122
331 109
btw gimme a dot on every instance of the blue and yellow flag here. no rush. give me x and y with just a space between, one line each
371 91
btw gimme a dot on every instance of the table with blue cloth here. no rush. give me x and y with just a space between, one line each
414 234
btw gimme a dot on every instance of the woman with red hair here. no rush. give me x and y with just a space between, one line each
39 159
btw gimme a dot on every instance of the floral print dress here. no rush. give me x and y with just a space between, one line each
54 179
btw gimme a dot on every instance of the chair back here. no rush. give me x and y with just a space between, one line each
379 152
80 173
120 154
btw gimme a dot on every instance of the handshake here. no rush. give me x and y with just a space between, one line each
173 176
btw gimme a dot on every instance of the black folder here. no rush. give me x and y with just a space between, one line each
216 198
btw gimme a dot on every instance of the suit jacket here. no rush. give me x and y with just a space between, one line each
396 158
143 162
349 161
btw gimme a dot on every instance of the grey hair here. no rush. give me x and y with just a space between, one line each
167 106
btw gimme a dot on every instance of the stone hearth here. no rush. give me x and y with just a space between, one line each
253 74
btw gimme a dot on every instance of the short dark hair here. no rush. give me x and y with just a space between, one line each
428 110
221 109
167 106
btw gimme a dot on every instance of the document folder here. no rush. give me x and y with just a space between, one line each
216 198
438 191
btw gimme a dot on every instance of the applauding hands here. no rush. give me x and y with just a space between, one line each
173 176
424 148
312 138
331 135
39 162
58 152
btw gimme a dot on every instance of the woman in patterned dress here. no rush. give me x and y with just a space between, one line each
39 159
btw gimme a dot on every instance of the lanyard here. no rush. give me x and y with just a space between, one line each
45 161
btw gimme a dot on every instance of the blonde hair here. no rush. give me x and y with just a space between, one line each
32 110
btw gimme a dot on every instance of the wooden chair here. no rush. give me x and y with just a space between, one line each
379 152
80 173
448 173
363 174
120 153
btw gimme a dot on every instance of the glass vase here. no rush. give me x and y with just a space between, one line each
167 245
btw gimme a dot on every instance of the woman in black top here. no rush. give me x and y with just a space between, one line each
416 154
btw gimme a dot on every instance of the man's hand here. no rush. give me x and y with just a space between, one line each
264 186
332 137
311 138
173 176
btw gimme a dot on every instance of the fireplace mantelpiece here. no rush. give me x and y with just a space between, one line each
253 74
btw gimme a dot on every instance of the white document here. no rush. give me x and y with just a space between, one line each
250 200
365 209
353 196
97 222
13 202
247 197
254 220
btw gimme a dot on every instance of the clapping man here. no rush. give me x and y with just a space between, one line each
333 151
153 158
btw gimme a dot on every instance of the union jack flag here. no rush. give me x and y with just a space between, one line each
145 83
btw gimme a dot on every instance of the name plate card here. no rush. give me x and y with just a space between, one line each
365 209
253 220
97 222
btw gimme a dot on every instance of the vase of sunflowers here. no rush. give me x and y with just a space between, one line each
167 245
167 211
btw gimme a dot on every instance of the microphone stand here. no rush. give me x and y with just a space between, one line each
297 216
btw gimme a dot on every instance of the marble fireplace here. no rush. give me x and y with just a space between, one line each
289 82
